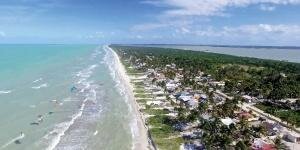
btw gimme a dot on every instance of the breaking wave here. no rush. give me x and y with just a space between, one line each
5 92
87 96
44 85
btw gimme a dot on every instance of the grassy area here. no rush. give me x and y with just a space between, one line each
169 144
143 95
162 133
140 84
162 129
143 100
156 111
139 90
291 116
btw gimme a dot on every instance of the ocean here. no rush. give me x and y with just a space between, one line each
62 97
290 54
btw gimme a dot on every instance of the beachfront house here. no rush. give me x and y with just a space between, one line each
260 144
227 121
293 137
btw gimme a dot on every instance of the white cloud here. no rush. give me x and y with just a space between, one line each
148 26
210 7
264 7
96 35
259 29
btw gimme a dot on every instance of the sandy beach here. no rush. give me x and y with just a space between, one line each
140 136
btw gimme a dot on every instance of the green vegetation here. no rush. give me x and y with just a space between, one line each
156 111
257 77
163 133
143 95
197 71
291 116
139 90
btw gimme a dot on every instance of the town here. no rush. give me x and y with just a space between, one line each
192 109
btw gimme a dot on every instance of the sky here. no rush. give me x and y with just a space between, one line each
221 22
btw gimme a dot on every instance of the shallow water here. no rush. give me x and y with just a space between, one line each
39 79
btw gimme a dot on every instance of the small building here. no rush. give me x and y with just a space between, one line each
293 137
159 93
259 144
245 115
249 99
227 121
171 86
192 104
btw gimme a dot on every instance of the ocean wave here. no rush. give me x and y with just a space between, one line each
37 80
61 128
5 92
88 93
117 72
40 86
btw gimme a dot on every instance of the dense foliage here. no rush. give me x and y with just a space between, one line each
257 77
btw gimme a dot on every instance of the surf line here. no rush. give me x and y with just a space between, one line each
21 136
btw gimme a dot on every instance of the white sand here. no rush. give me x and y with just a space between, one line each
140 136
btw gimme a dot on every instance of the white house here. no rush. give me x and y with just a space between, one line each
293 137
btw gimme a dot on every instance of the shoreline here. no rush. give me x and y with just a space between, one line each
141 139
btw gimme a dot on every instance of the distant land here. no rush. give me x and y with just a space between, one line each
281 53
215 45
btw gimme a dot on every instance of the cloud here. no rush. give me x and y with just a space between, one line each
16 11
148 26
259 29
264 7
244 30
96 35
175 8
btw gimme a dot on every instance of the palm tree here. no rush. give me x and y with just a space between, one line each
241 146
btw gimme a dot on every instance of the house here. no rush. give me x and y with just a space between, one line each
155 103
185 98
192 104
259 144
272 128
227 121
293 137
159 93
249 99
217 83
245 115
171 86
203 97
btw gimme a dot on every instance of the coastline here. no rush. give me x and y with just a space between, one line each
141 136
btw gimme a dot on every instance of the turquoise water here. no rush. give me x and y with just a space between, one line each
35 87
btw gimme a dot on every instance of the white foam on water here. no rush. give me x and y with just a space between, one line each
13 140
117 72
54 137
44 85
37 80
5 92
32 106
61 128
